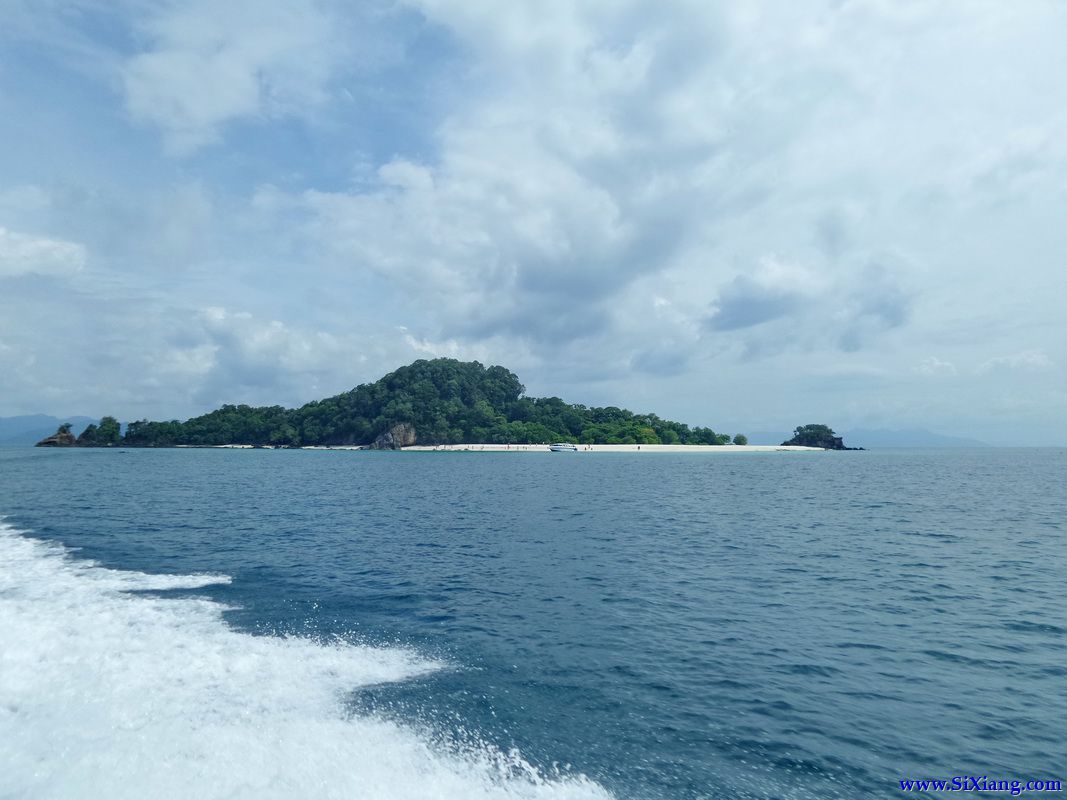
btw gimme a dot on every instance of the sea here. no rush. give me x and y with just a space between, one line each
338 624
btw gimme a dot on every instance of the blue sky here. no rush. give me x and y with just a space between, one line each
749 215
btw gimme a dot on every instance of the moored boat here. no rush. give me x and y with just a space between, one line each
563 447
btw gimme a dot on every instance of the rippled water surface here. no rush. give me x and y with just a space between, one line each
778 625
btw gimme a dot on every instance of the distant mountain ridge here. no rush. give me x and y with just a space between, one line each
909 437
31 428
880 437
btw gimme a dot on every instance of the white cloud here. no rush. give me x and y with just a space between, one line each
597 156
604 144
1032 360
255 348
26 197
24 254
223 355
774 289
207 64
168 361
932 365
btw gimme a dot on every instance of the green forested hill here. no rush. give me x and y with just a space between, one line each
445 400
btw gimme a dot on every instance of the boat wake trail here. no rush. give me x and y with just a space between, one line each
106 692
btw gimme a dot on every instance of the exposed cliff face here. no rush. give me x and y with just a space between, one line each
58 439
400 435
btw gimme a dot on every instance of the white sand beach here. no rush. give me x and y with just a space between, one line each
543 448
611 448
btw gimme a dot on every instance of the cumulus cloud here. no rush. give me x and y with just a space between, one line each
563 192
776 289
932 365
497 232
222 355
207 64
24 254
597 157
878 301
846 308
604 146
1026 360
257 354
169 361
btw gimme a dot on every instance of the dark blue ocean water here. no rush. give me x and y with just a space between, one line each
668 626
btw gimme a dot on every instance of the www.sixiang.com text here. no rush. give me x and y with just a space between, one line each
983 783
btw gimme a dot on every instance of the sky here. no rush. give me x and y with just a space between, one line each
744 215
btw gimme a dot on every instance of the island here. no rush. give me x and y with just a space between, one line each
430 403
817 436
61 438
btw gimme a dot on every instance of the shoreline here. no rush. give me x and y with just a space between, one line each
614 448
476 447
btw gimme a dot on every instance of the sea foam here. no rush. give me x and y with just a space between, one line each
108 693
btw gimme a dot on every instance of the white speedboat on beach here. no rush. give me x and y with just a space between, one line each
563 447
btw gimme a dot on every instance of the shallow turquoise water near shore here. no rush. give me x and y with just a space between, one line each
662 626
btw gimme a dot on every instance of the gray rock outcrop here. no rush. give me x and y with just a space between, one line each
58 439
400 435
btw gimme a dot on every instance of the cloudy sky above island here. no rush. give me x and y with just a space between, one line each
746 215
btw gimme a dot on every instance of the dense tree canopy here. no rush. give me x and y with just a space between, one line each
815 436
447 401
106 434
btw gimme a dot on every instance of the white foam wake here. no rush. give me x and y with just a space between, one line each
104 693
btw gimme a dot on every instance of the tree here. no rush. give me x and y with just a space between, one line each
285 435
109 432
64 428
445 400
813 430
740 439
89 436
815 436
